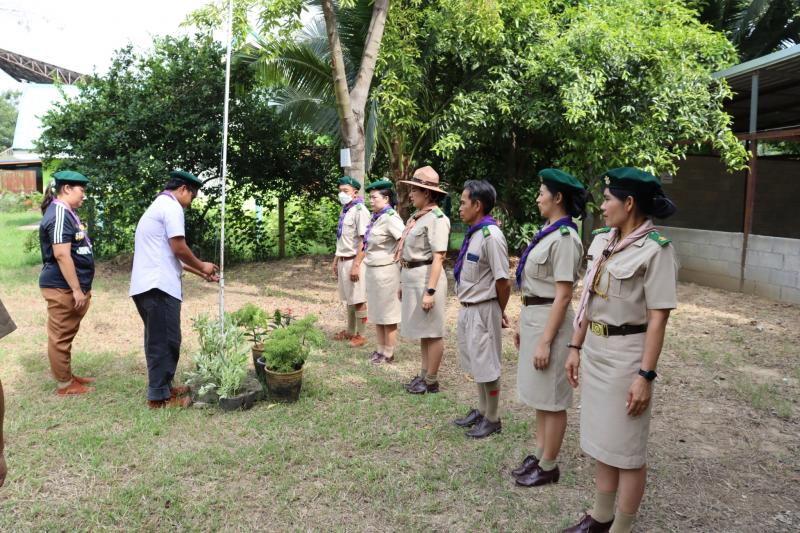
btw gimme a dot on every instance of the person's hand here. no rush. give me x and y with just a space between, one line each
400 294
336 268
572 366
639 396
81 300
541 358
506 323
427 302
208 269
3 469
212 278
355 272
516 340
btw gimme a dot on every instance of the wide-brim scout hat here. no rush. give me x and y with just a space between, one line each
71 177
425 178
347 180
186 177
561 180
380 185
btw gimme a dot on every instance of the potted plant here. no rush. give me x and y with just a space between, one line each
257 324
221 365
285 352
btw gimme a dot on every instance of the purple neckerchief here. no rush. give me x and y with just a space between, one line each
373 220
76 219
167 193
541 234
345 209
485 221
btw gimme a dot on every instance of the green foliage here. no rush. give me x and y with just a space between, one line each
8 117
286 349
221 363
253 320
11 202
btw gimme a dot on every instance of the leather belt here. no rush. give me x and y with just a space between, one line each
347 258
470 304
415 264
604 330
536 300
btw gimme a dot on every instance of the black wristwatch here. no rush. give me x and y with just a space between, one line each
649 375
431 291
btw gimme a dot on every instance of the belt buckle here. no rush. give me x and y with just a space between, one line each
600 329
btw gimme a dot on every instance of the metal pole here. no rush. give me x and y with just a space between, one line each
224 169
750 184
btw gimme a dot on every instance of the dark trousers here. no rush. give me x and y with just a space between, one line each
161 314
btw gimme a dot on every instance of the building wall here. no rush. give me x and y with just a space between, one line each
19 180
713 258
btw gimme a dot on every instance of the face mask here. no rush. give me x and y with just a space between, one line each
345 198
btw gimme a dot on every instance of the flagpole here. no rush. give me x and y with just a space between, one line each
224 168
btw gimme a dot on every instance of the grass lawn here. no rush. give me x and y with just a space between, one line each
356 453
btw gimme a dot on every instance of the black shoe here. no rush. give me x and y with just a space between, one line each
539 477
412 383
472 418
527 466
422 387
484 428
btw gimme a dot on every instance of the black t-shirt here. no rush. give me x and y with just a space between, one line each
58 227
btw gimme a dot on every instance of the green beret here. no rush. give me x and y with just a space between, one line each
347 180
70 176
379 185
561 178
186 177
629 177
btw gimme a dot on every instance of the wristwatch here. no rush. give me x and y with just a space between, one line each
649 375
431 291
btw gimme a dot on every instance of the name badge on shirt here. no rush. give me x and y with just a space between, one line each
84 250
473 257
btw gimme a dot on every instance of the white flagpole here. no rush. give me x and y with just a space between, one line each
224 168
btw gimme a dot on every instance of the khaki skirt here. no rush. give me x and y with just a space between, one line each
383 306
349 292
548 389
480 335
608 367
6 324
416 323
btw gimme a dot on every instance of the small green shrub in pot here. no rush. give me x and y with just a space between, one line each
286 349
221 362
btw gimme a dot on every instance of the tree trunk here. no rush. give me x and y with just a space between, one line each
281 227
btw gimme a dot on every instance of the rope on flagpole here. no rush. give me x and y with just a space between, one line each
224 169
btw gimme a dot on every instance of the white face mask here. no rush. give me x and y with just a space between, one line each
345 198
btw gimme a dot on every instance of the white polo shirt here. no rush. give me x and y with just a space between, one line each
154 264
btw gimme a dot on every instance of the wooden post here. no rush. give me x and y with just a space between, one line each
750 187
281 227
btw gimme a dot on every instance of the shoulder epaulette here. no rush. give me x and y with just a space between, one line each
486 231
360 206
660 239
438 212
564 230
601 230
391 211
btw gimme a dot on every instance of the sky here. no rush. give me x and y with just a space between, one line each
81 35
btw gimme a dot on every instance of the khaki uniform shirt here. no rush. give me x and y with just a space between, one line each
485 262
353 228
642 276
383 239
555 258
430 234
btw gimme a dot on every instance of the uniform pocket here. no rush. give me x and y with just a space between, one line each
621 280
469 271
542 266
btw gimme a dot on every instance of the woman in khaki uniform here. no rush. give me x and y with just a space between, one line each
383 271
629 290
546 275
423 282
6 326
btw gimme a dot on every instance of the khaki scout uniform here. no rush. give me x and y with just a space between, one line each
557 257
480 318
642 276
353 228
383 273
431 234
6 324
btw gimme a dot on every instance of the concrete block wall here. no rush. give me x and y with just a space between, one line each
713 258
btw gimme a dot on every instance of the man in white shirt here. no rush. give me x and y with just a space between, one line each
160 255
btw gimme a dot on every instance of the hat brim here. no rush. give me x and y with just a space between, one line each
422 185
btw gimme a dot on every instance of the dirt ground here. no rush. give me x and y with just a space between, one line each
725 436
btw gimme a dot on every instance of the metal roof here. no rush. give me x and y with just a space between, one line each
24 68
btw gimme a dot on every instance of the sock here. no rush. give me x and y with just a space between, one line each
430 379
423 373
623 523
361 321
538 452
351 320
546 465
63 384
381 349
481 399
492 389
388 351
603 510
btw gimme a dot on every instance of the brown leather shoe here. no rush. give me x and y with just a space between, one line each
422 387
538 477
357 341
180 390
156 404
527 466
73 389
342 336
180 403
83 381
484 428
589 525
473 417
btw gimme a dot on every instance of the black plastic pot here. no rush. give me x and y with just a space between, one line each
282 387
258 351
241 402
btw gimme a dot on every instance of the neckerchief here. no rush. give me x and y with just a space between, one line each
81 227
345 209
167 193
482 223
373 220
541 234
409 226
612 248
